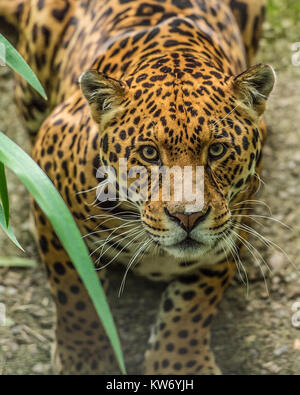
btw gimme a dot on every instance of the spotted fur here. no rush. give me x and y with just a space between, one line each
122 75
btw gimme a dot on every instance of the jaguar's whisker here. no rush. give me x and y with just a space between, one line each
130 265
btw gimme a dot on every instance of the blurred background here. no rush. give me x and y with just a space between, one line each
253 334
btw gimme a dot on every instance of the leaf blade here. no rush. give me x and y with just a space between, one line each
14 60
17 262
52 204
8 231
4 194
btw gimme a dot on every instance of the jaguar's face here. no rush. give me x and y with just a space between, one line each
191 149
198 181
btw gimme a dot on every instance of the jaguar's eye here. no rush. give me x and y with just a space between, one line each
216 151
149 153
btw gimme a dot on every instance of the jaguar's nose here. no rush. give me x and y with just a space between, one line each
188 221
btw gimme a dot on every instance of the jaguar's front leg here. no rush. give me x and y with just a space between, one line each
180 341
81 345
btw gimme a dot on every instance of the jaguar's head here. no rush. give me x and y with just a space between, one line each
200 120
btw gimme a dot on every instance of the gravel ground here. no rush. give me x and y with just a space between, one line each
253 332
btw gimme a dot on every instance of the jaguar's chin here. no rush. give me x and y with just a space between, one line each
189 243
187 248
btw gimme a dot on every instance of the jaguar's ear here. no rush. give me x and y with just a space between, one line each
104 95
253 88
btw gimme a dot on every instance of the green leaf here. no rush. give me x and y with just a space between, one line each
52 204
4 194
14 60
16 261
9 232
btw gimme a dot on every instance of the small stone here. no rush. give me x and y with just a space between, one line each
11 291
264 295
277 262
296 345
32 349
45 302
291 277
14 347
38 368
281 350
293 291
276 280
282 313
272 367
250 339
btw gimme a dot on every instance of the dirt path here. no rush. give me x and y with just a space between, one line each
252 334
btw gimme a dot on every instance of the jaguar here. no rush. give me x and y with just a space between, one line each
157 83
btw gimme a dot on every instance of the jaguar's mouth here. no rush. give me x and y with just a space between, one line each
184 244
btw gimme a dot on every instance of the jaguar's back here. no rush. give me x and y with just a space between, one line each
65 38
